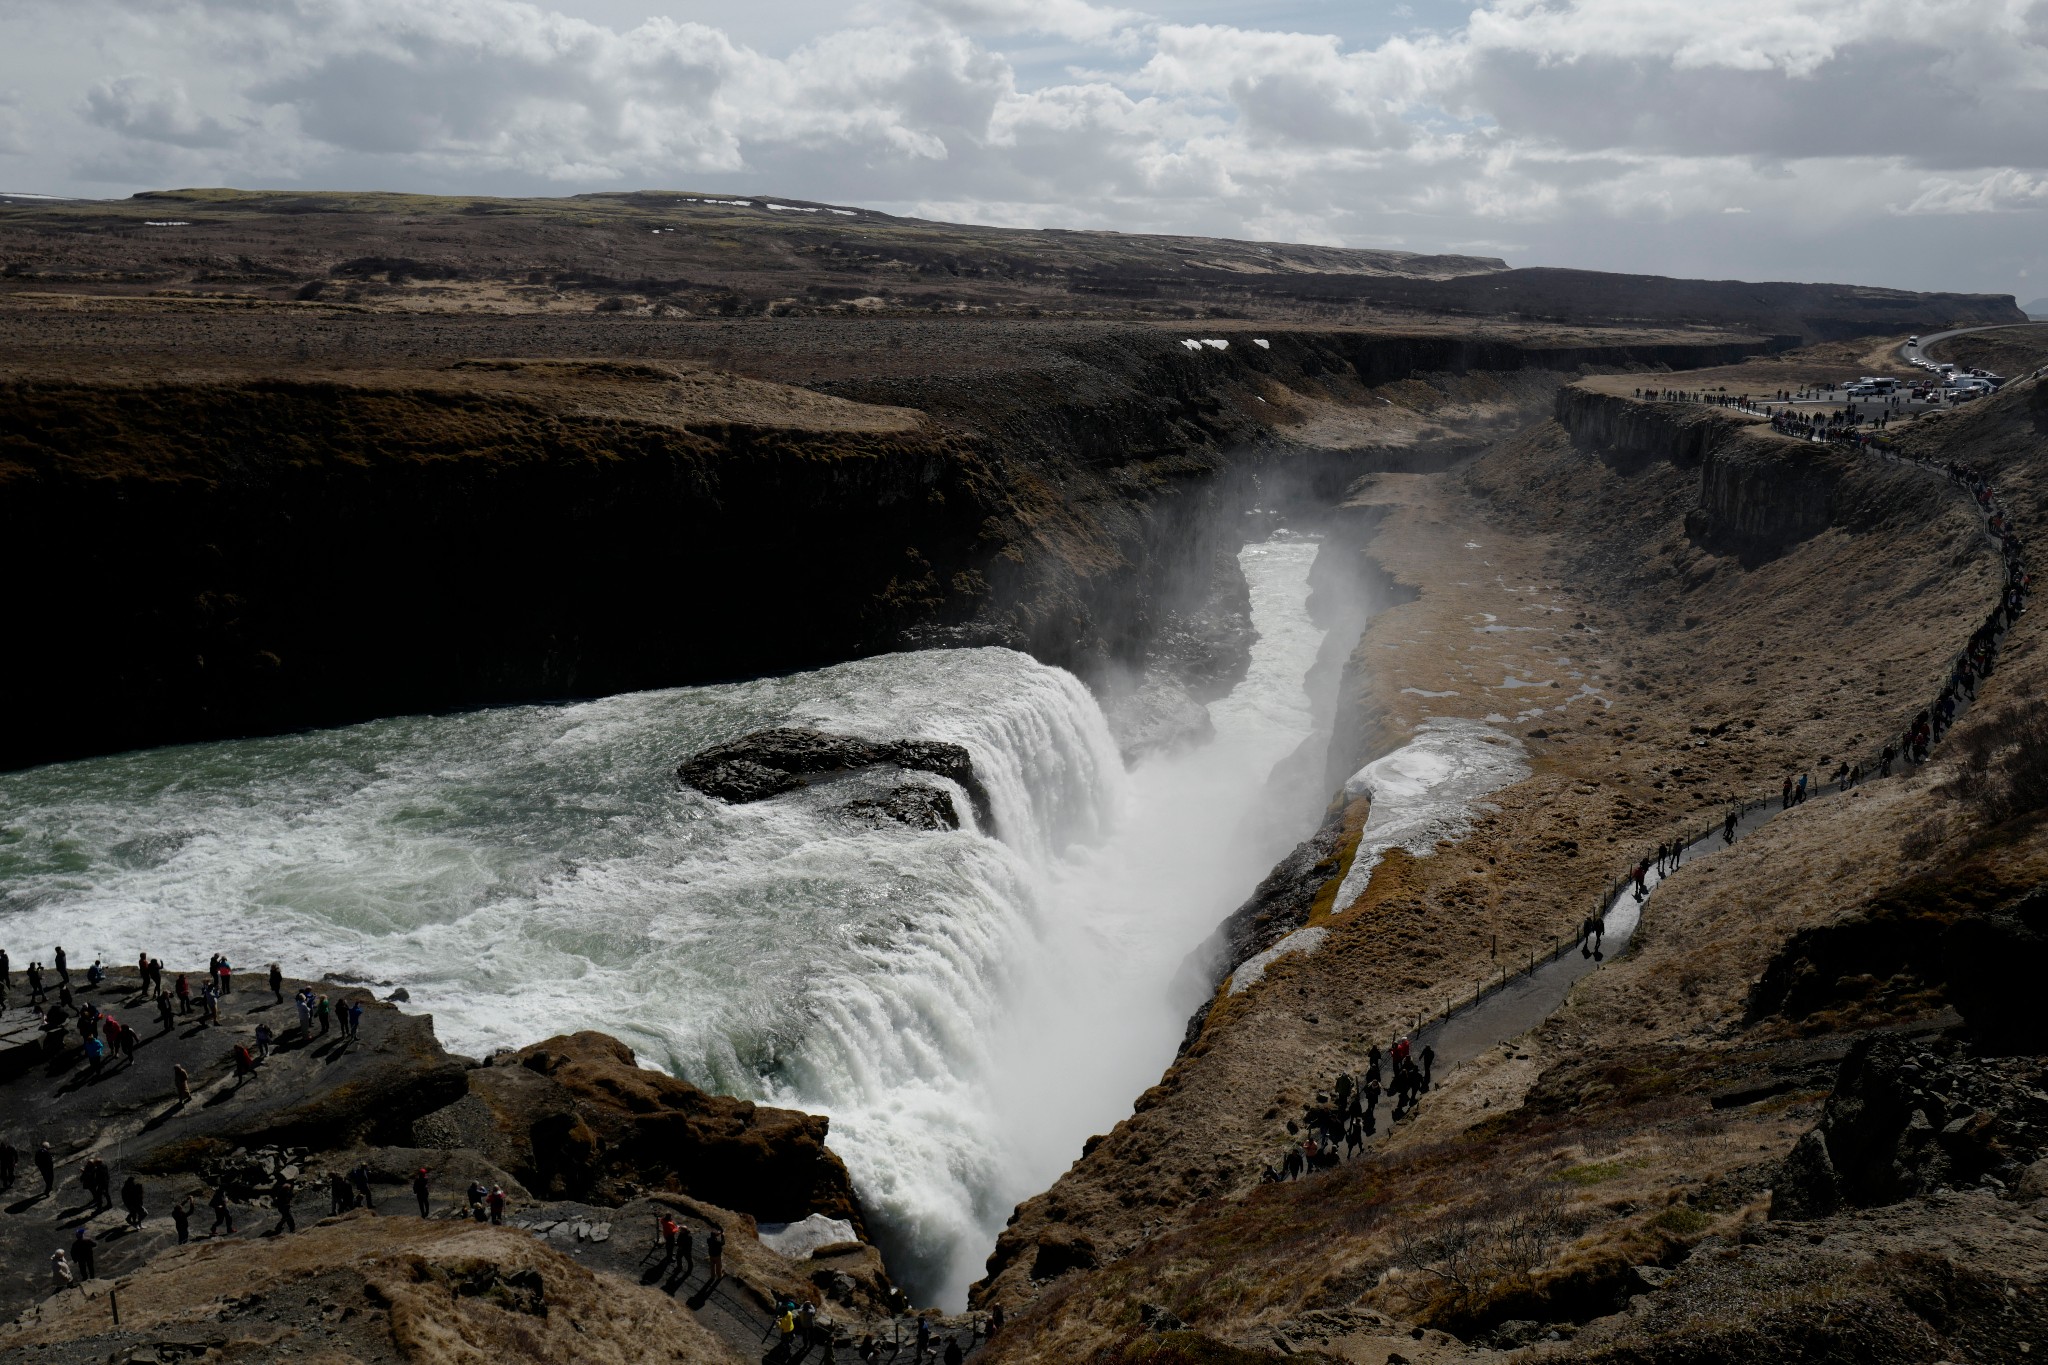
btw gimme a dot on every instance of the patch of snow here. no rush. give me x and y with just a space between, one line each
798 1240
1262 343
1192 344
168 222
1496 718
844 213
1216 343
1423 792
1471 545
788 208
1254 968
1419 692
1512 681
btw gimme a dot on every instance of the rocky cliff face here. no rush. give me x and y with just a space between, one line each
249 553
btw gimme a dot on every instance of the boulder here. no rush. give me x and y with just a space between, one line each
770 762
578 1117
926 808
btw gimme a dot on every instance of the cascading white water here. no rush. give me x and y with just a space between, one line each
965 1008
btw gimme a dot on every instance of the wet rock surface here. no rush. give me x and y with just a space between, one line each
925 808
770 762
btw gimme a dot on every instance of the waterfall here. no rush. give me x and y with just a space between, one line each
965 1008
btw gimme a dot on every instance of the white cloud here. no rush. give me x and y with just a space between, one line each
2004 191
1645 134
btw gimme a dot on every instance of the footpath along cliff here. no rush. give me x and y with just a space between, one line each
1639 1177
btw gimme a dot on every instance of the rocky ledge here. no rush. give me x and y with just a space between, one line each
588 1146
770 762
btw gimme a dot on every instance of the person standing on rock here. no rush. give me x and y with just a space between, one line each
360 1178
60 1272
63 970
282 1198
495 1202
323 1010
277 983
84 1252
264 1038
181 1081
222 1214
183 990
181 1219
163 1012
355 1019
46 1167
420 1191
132 1200
8 1158
1428 1066
341 1197
714 1255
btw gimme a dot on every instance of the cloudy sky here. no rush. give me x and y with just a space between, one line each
1896 142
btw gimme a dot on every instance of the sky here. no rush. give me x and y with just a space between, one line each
1887 142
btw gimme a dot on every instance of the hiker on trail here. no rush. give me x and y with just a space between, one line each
183 1083
1785 796
1642 877
360 1178
1370 1095
98 1182
924 1337
277 983
84 1253
282 1199
1428 1066
714 1254
222 1214
419 1190
666 1231
181 1218
1372 1063
341 1196
495 1201
953 1356
785 1334
1885 765
46 1167
1400 1052
132 1200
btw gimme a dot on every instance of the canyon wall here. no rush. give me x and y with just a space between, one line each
249 552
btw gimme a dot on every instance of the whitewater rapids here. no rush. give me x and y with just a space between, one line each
966 1008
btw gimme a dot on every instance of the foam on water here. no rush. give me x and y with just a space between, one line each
965 1008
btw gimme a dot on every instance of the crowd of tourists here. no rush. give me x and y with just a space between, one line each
77 1017
1340 1120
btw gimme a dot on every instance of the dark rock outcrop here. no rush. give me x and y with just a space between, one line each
1909 1116
577 1117
1994 964
926 808
770 762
